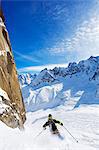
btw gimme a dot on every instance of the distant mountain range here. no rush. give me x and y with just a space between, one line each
71 86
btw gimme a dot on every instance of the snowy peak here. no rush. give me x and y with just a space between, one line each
87 67
44 76
26 79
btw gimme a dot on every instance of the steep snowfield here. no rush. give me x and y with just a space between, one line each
83 124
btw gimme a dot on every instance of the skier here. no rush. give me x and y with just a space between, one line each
51 123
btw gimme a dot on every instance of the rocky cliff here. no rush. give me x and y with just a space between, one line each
12 111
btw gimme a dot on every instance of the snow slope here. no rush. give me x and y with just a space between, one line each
83 124
71 95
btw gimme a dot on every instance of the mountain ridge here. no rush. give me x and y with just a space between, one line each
89 66
76 85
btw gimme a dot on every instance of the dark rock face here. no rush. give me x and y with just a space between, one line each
9 83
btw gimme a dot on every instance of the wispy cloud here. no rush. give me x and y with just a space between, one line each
57 12
39 68
26 57
85 40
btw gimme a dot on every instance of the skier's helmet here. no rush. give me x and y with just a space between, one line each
49 116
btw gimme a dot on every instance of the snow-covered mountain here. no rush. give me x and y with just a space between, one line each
72 86
26 79
65 88
44 76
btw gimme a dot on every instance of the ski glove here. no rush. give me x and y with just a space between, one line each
61 124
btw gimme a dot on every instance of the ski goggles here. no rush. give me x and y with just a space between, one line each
49 118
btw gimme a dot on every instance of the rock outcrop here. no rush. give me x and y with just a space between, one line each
14 112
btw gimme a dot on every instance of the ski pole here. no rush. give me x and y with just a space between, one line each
71 134
39 133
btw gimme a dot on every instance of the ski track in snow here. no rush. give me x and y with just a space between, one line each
82 123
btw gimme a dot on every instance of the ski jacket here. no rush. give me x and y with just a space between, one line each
51 122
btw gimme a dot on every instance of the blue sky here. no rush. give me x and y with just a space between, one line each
51 33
